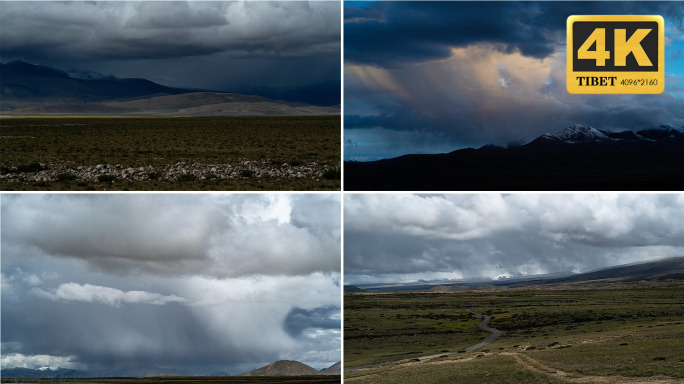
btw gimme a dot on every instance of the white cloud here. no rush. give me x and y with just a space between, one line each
38 361
104 295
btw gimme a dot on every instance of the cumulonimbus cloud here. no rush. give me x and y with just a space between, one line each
440 76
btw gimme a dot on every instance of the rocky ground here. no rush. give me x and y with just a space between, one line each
181 171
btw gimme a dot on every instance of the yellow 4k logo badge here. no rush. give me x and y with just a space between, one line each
616 54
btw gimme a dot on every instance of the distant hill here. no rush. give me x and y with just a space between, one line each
28 373
283 368
33 89
579 157
76 374
335 369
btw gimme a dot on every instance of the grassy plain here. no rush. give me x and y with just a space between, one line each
164 141
311 379
631 334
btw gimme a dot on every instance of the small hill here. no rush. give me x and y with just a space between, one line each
283 368
335 369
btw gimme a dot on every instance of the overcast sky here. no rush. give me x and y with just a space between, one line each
403 238
202 283
438 76
288 50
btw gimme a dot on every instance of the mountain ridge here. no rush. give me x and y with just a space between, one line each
28 89
579 157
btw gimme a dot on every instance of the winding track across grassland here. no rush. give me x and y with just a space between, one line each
487 340
526 361
484 325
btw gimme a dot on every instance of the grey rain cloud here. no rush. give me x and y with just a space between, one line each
412 237
172 235
203 283
109 30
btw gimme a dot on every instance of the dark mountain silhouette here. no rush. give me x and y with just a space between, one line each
24 82
577 158
283 368
34 89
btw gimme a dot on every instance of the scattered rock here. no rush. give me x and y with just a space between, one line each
92 173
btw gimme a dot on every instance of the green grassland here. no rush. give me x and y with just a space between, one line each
631 334
310 379
162 142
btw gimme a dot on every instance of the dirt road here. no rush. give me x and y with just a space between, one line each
484 325
487 340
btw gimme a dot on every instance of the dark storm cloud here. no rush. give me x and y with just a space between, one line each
409 237
299 320
115 30
286 50
388 33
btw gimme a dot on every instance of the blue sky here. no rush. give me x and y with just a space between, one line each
674 58
438 76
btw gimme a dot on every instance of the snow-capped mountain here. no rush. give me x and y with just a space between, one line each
89 75
581 133
578 133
